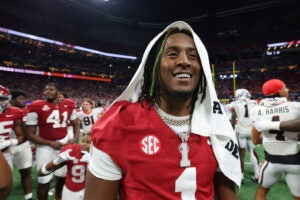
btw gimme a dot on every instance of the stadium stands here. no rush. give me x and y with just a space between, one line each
253 67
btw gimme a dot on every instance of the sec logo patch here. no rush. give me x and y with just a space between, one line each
150 145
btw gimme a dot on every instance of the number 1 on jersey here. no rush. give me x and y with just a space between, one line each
186 184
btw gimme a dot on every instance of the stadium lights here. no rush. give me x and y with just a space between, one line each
228 77
279 47
42 39
54 74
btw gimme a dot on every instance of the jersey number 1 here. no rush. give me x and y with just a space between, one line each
186 184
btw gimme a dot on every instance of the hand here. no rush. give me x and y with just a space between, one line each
4 144
265 125
85 156
56 144
7 143
71 141
63 157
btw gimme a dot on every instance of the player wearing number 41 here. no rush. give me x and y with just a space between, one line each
76 158
282 153
50 116
167 135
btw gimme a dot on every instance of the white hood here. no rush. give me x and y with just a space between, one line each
204 121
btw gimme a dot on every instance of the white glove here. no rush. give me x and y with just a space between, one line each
63 157
85 157
7 143
44 170
265 125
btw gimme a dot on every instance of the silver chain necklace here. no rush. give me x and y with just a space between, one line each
173 120
182 127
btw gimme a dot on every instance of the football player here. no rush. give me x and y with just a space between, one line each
159 139
282 151
10 120
61 96
51 117
76 158
88 116
241 122
22 153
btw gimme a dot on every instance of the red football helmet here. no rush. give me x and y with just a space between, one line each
4 98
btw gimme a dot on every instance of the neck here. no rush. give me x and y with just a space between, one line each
176 108
54 101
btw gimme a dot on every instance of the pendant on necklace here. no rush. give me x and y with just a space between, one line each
183 148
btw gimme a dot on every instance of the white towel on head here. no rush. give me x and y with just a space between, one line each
209 118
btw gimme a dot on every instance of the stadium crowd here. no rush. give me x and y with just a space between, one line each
252 69
104 93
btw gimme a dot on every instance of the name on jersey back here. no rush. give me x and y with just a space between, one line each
277 110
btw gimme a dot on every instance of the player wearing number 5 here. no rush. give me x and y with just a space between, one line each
50 117
167 136
76 158
282 154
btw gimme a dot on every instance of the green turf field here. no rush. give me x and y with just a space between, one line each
247 191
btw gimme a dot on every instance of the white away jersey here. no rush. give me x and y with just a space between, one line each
278 109
242 110
88 119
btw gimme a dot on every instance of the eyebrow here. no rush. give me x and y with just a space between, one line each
178 48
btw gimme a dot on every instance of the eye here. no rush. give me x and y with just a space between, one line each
193 55
172 54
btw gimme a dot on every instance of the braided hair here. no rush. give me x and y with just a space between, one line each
151 88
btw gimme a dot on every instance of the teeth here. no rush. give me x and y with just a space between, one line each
183 76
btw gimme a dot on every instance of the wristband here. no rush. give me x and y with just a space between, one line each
45 171
274 126
13 142
58 160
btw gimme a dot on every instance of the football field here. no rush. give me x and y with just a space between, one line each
247 192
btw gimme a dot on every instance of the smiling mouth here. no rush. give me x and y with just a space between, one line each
182 75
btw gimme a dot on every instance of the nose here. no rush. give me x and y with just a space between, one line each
183 59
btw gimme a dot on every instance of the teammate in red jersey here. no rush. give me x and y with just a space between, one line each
22 153
151 143
10 120
282 152
50 117
76 157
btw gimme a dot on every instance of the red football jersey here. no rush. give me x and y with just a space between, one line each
52 118
75 179
7 121
147 151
